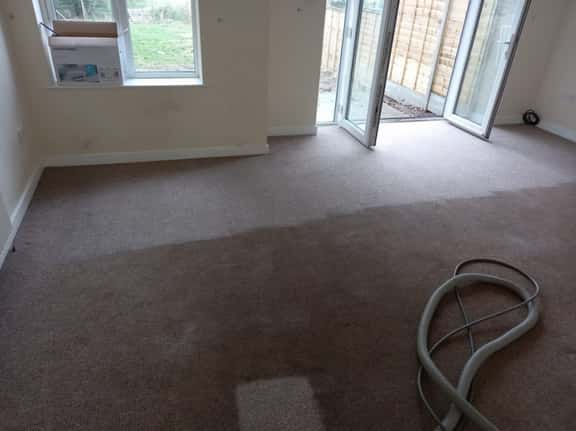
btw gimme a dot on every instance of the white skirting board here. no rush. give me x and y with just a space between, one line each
559 130
19 212
293 131
114 158
508 120
156 156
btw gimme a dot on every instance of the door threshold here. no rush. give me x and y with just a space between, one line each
409 119
389 120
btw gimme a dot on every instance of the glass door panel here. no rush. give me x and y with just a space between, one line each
368 60
364 63
492 28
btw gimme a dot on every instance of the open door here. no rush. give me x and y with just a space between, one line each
365 67
489 41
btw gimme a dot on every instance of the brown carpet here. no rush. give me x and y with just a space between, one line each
160 296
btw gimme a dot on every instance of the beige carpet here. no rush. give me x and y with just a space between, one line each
221 294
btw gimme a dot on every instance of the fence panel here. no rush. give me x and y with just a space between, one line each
422 54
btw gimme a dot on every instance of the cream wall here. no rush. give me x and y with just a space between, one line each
296 28
529 67
556 101
17 165
16 160
230 110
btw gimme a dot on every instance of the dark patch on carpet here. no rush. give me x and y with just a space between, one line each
160 338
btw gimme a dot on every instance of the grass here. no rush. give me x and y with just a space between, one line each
163 46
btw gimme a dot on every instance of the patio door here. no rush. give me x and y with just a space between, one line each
365 66
489 40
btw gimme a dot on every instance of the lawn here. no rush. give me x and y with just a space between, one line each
163 46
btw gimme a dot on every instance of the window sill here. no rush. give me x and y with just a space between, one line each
137 82
163 82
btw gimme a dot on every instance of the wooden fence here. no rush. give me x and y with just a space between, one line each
423 53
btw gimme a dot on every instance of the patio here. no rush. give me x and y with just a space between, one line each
425 44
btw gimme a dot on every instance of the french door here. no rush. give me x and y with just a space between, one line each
365 66
488 44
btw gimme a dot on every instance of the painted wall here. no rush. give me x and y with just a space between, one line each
229 110
295 50
529 67
16 159
557 98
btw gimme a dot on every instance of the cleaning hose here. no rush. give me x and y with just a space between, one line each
460 396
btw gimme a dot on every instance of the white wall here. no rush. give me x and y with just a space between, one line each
529 67
295 50
17 165
16 161
229 110
557 97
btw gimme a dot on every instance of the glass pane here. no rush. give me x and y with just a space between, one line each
364 61
488 58
426 40
162 36
83 10
331 52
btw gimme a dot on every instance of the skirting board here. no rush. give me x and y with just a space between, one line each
156 156
293 131
507 120
559 130
19 212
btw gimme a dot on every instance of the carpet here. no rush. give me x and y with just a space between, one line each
175 296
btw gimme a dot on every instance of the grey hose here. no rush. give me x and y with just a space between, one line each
460 396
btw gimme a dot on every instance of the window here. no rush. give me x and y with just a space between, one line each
160 38
80 10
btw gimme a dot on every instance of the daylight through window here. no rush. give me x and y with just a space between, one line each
161 40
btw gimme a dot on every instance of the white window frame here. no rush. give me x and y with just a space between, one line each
121 17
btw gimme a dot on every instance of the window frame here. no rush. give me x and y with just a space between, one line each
121 17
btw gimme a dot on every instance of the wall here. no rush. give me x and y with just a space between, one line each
229 111
17 165
295 52
16 162
531 59
557 98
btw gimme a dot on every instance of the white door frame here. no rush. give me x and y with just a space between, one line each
352 34
467 40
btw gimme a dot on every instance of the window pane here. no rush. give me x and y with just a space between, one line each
162 36
88 10
331 53
366 51
488 58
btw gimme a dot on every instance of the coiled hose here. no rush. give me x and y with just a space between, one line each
460 396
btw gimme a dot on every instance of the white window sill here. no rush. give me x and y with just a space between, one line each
138 82
163 82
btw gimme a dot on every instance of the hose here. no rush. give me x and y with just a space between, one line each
461 396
